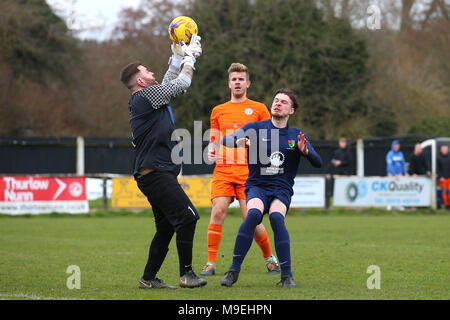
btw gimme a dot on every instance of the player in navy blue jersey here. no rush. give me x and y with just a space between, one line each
275 150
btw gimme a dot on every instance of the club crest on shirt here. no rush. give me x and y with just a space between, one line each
291 143
248 111
276 161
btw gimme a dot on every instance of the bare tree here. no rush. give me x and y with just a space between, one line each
406 16
345 9
436 9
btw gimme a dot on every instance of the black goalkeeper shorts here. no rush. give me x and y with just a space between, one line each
167 198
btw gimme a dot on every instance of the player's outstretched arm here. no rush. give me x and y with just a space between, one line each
174 63
302 144
184 57
235 140
188 71
307 149
192 52
213 150
243 143
161 94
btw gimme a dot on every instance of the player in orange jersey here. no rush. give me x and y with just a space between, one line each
231 169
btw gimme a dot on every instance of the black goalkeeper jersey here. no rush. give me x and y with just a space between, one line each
152 123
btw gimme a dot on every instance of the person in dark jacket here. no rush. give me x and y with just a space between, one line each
341 158
418 164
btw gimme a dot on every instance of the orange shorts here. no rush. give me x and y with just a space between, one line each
229 181
444 183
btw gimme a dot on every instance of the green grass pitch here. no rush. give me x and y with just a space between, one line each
331 251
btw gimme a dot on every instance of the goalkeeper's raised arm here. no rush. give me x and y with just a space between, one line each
174 82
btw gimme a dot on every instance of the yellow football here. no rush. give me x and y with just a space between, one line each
182 28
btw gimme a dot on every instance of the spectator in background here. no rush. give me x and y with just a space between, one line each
395 161
339 165
396 165
443 174
341 158
418 165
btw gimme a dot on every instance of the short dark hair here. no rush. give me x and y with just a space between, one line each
128 72
291 96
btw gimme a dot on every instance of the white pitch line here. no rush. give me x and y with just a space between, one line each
33 297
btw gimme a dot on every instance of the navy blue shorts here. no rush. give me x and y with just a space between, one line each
268 195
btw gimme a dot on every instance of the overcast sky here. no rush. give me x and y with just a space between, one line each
95 19
99 16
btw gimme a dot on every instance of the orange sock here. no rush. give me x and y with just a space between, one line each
214 236
264 243
446 197
447 192
445 187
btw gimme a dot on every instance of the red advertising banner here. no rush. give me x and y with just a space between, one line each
26 194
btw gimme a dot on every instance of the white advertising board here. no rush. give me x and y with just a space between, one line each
382 191
309 192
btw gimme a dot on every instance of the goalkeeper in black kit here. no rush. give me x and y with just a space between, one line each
152 126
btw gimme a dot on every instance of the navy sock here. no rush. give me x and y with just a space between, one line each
282 242
244 237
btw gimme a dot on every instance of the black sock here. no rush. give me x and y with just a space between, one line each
185 242
157 253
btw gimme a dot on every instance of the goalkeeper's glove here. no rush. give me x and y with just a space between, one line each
177 50
191 51
177 55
